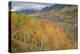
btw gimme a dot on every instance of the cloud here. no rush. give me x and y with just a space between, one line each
16 5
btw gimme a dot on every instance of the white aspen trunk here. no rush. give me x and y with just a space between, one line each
28 39
41 45
24 37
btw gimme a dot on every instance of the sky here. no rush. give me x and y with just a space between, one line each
17 5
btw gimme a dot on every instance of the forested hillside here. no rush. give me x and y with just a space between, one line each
48 29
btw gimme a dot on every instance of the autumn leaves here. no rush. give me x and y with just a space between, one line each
31 34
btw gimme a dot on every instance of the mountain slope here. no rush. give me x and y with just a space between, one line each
53 7
52 28
28 11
